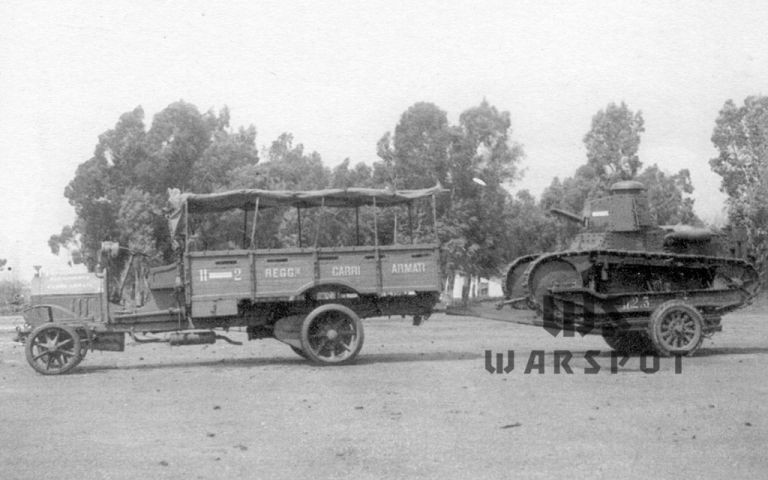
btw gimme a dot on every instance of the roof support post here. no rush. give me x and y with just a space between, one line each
377 253
253 227
245 227
434 217
320 223
375 225
410 222
298 210
357 225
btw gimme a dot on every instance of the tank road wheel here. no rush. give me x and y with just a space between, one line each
53 349
332 334
628 342
551 274
676 328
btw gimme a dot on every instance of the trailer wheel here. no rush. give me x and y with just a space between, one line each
676 328
332 335
53 349
628 342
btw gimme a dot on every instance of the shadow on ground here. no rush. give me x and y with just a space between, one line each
363 360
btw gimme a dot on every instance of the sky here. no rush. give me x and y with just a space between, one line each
338 75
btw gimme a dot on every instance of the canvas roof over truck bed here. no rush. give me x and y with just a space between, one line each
248 199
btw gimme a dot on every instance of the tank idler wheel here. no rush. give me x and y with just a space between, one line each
332 335
513 286
629 342
550 275
53 349
676 328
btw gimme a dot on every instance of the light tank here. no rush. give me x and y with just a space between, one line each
623 269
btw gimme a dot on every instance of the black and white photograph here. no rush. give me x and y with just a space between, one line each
383 239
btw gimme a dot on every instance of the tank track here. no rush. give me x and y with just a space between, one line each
748 281
507 289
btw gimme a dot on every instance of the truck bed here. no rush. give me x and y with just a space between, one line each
218 280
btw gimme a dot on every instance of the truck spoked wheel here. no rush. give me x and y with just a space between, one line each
332 334
628 342
676 328
53 349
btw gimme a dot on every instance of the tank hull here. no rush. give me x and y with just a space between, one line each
627 272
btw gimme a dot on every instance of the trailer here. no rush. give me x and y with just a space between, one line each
309 296
660 323
644 287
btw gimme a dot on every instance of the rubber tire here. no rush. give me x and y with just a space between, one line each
657 320
629 342
299 352
320 312
76 347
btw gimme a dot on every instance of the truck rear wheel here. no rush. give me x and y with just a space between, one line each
332 335
676 328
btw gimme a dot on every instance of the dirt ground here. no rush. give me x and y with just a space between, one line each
419 403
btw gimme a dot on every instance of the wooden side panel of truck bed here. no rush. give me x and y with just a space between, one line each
218 280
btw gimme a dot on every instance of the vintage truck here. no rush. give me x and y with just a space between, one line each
308 296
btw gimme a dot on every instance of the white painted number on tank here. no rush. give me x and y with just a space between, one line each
636 303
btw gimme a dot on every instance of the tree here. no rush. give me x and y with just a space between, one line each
120 192
530 229
425 150
612 143
481 149
417 155
12 293
668 196
741 138
572 192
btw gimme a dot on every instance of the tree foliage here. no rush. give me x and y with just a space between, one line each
426 150
669 195
612 144
120 192
12 293
741 138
